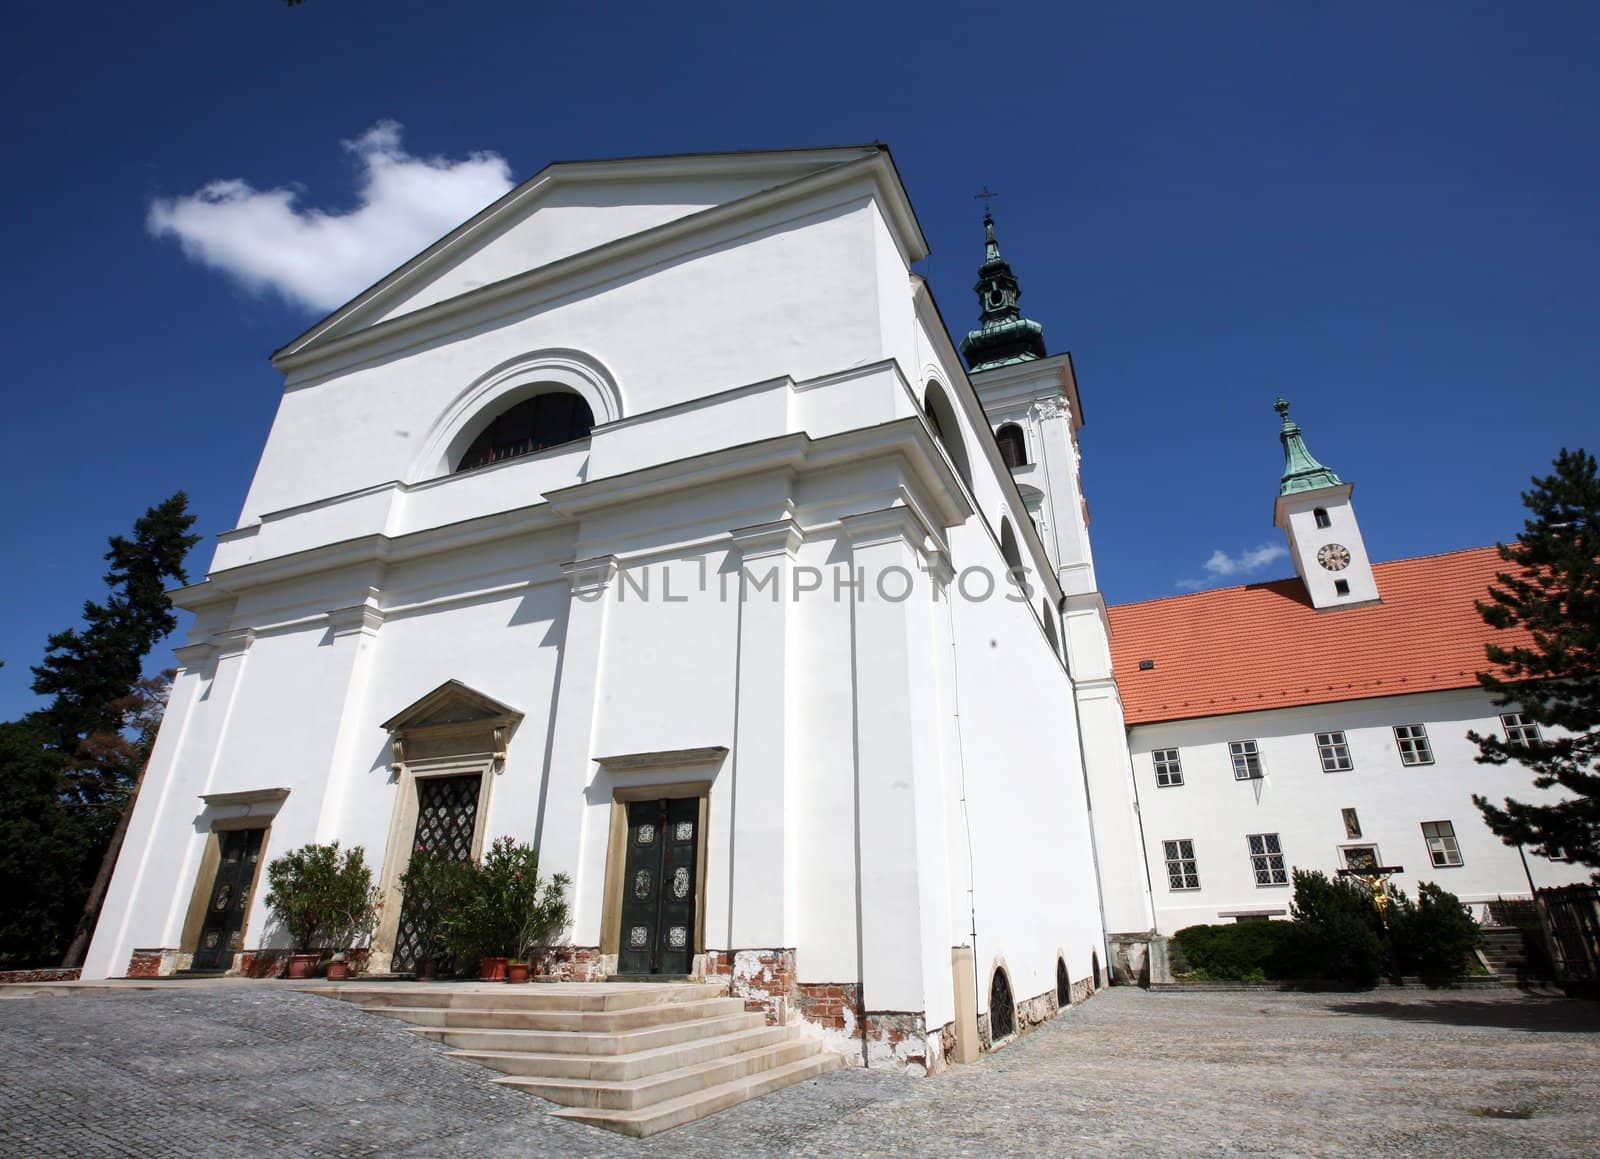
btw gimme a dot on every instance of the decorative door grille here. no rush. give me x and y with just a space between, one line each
447 820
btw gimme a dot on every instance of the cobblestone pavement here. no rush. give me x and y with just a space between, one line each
239 1068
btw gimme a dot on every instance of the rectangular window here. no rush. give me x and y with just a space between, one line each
1442 847
1412 741
1519 729
1363 858
1334 751
1266 858
1181 870
1169 771
1246 759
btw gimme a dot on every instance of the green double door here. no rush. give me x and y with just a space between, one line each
222 928
660 878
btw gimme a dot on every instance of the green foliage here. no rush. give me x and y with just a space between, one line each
323 897
1233 952
435 886
47 850
1336 934
1434 937
1553 593
69 769
507 910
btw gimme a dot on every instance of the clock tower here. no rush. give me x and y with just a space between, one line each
1314 511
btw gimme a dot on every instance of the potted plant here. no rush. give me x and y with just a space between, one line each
313 893
352 903
506 911
435 887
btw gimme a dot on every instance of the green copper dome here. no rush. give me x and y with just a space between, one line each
1301 471
1004 336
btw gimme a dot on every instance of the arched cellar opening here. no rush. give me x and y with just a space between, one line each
1063 985
1002 1009
1094 960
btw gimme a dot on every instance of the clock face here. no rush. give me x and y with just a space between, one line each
1334 556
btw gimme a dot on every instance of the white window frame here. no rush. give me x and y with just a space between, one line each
1332 749
1246 754
1169 769
1519 729
1442 843
1412 742
1266 859
1174 852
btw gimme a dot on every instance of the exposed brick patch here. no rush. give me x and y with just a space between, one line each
763 978
901 1036
260 963
16 977
152 962
831 1005
570 963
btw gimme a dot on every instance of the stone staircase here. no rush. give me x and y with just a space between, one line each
1516 956
636 1058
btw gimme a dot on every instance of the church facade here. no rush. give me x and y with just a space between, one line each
651 517
1319 722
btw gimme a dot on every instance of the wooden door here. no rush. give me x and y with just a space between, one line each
660 880
222 929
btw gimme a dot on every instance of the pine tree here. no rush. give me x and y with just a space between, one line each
1553 594
68 772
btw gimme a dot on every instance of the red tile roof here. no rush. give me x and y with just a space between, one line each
1259 646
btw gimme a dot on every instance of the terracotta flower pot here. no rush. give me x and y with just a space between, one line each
516 971
492 969
338 970
302 966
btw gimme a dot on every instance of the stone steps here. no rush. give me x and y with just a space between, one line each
636 1059
635 1064
482 1017
687 1108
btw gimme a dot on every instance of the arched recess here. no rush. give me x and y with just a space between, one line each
1008 545
1063 985
1002 1008
1013 445
498 390
942 417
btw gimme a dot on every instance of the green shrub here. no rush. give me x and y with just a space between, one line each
1234 952
506 909
1336 935
435 885
1434 937
323 897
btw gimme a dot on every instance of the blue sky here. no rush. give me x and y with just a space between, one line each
1385 212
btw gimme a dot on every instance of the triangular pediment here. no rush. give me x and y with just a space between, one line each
452 703
570 209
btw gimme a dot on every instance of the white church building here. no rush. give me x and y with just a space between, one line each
1319 722
651 517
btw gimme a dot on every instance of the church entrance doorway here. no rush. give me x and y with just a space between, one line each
660 883
447 823
228 903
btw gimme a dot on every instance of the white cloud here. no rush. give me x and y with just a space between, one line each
318 260
1221 565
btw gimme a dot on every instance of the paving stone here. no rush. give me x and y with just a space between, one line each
250 1067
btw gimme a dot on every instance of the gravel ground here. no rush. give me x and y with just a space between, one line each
240 1067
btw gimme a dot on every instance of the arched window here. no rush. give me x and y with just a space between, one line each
1008 546
1002 1011
1050 627
1321 517
1013 446
535 424
1063 986
942 418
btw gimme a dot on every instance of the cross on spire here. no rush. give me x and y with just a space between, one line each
985 195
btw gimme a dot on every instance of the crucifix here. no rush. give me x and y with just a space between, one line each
986 195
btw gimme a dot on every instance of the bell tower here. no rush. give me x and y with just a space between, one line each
1314 511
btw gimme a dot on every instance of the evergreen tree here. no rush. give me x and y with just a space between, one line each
1552 594
69 770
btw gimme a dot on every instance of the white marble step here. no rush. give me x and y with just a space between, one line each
618 1067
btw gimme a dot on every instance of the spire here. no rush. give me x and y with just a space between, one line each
1004 336
1301 471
